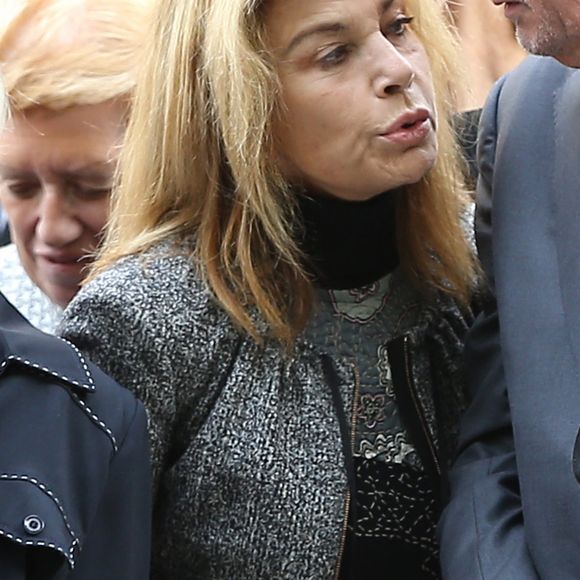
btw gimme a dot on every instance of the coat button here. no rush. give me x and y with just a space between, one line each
33 525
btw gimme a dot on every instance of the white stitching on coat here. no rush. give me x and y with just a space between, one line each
48 492
39 543
48 371
91 385
90 381
94 417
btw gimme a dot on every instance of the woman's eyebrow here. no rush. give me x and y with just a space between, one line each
12 172
320 28
97 170
93 170
325 27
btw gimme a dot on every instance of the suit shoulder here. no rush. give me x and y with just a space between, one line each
148 319
153 275
156 289
536 74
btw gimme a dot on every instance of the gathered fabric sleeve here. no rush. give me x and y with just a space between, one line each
115 329
151 324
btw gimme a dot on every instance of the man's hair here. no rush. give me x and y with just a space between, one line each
63 53
198 160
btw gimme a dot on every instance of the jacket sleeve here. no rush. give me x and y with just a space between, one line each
481 530
112 332
118 544
130 478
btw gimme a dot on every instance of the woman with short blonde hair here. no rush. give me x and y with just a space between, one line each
285 284
75 493
69 68
64 53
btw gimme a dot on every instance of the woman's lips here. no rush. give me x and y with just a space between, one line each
61 260
62 269
410 129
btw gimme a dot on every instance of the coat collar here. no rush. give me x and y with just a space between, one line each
23 344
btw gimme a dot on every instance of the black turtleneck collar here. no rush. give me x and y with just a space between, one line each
349 244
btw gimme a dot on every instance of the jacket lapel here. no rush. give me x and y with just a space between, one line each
566 187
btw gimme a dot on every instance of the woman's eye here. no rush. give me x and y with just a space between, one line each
87 192
336 56
399 26
22 190
90 193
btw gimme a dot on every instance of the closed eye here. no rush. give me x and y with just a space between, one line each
22 190
85 193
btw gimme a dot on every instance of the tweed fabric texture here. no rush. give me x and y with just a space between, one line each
249 467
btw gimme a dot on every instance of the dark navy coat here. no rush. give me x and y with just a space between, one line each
74 464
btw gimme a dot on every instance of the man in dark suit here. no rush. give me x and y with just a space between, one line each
75 482
514 513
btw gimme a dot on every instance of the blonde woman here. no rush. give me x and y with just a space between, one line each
283 284
75 496
69 68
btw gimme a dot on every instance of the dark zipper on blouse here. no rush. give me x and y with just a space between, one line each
412 413
348 440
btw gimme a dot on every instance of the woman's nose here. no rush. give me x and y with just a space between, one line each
393 73
57 224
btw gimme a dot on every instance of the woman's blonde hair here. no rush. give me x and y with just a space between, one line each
3 105
63 53
197 161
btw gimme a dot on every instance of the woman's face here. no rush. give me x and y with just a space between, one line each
56 171
358 113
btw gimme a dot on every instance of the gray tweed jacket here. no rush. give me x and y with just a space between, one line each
249 446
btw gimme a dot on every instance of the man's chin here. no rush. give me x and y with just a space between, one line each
536 38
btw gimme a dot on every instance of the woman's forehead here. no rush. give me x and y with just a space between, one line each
283 17
304 8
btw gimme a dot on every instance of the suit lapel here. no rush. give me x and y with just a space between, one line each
566 187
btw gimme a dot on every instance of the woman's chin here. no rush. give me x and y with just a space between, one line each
419 164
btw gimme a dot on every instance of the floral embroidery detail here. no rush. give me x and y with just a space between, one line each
385 375
390 447
361 305
371 410
361 294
